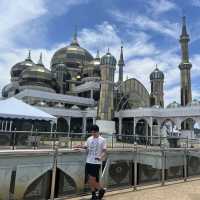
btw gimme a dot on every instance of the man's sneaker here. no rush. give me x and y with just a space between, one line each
94 196
101 193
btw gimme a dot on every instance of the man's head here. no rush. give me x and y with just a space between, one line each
94 130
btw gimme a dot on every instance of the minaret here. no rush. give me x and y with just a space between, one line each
121 66
107 67
157 94
185 66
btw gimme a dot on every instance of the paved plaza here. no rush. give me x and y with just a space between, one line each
176 191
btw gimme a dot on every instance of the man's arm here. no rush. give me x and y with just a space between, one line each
103 154
81 146
104 151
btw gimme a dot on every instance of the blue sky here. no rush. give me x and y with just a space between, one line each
149 30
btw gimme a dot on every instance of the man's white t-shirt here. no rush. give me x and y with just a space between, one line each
95 147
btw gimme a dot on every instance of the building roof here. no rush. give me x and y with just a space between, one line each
14 108
54 97
87 86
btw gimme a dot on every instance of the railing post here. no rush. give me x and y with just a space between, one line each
163 167
135 167
54 139
53 180
112 141
185 164
35 139
71 142
146 141
13 139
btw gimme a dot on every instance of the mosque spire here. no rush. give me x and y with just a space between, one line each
97 55
121 60
184 29
75 40
121 65
29 55
40 62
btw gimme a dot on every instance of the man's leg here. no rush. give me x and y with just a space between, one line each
92 184
98 185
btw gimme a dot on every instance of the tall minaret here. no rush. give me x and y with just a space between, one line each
121 66
185 66
107 67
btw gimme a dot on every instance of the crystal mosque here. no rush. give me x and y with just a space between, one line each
80 90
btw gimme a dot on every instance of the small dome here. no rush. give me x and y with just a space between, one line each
174 104
90 108
37 71
17 69
59 105
10 89
157 74
108 59
38 75
194 102
156 106
42 103
75 107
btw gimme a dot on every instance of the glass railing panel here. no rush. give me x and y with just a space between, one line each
119 174
193 163
174 164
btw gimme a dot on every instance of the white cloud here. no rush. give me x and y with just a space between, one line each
21 23
172 94
161 6
146 23
60 7
106 36
14 16
196 3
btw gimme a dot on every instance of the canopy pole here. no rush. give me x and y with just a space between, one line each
6 125
2 125
32 127
10 129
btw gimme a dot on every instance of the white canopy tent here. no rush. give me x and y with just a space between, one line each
13 108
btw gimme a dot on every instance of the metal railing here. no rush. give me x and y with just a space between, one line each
116 174
39 140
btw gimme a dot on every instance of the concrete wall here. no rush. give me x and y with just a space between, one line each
20 168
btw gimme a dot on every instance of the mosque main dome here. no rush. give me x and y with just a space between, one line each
72 56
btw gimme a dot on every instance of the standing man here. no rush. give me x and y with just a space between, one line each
96 151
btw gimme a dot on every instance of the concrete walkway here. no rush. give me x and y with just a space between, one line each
175 191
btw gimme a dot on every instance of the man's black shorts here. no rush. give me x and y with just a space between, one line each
92 170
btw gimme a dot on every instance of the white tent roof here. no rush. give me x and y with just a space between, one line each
14 108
